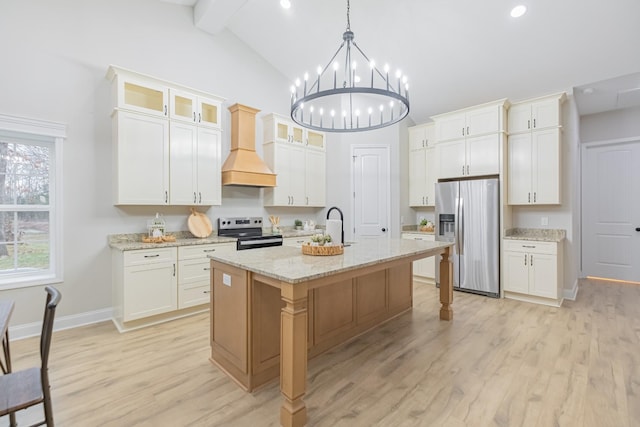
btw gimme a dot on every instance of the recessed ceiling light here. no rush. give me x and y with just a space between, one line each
518 11
285 4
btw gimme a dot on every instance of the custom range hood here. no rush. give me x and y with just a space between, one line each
243 166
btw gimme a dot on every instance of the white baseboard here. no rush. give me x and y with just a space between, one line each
571 294
66 322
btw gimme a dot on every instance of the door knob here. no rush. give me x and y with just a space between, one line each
637 228
384 230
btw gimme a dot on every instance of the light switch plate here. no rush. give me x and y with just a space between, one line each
226 279
544 220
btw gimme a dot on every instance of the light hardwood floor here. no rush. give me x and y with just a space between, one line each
498 363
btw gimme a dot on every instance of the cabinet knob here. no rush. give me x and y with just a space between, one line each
384 230
637 228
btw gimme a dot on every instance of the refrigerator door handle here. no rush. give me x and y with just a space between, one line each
456 225
461 227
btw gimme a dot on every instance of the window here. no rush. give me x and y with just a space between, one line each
30 202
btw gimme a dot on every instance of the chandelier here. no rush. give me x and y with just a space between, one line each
350 97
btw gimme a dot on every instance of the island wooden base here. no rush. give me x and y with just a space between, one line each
249 317
262 327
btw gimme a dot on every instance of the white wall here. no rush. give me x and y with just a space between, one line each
610 125
55 55
339 172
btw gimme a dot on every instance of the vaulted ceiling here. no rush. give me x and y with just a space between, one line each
456 53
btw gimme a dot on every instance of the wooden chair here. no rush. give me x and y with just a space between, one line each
22 389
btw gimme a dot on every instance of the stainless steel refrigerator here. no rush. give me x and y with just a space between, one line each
467 214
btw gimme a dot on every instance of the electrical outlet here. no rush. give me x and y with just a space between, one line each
544 221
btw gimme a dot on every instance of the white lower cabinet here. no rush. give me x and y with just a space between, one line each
160 281
149 283
424 269
533 271
194 269
296 242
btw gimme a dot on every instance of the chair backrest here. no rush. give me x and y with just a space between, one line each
53 298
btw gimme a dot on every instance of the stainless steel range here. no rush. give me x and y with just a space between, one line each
248 231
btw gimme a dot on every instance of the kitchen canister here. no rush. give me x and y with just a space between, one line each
334 229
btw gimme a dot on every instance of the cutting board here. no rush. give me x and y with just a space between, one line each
199 224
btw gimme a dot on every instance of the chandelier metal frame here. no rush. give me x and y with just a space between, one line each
379 87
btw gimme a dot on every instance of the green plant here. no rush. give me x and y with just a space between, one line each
297 223
424 222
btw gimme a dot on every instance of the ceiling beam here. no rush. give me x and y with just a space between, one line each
212 16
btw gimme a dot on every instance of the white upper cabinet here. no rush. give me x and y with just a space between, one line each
539 114
475 121
422 165
166 142
280 129
422 136
277 128
194 165
199 110
534 148
141 159
469 141
136 94
297 155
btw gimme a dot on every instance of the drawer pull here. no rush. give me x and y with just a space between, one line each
529 246
152 256
209 250
207 268
206 292
417 238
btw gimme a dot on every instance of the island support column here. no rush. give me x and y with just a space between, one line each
446 285
293 354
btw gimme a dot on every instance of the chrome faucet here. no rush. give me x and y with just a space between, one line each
341 220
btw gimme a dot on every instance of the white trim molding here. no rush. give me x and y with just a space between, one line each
66 322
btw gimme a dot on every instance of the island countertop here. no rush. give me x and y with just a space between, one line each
288 264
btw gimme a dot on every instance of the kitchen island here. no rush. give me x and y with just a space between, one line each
273 308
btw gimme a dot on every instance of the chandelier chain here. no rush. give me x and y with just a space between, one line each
348 19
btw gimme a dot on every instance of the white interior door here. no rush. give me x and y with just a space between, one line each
611 210
371 195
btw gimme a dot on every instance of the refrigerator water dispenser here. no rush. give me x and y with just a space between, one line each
447 226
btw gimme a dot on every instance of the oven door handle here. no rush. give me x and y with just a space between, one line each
259 241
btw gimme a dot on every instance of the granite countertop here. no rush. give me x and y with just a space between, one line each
288 264
133 241
537 234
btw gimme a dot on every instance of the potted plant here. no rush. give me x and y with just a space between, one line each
298 224
426 225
